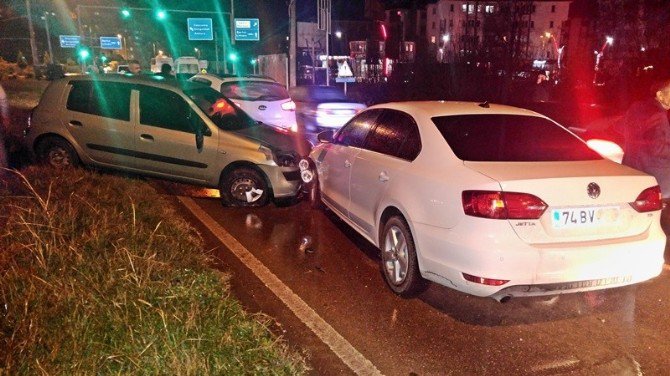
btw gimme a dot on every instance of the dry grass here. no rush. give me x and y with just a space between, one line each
98 275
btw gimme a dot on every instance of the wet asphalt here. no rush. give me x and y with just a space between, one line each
622 331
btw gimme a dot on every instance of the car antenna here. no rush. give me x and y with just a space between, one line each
484 104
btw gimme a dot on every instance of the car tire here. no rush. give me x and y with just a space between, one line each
57 153
244 187
399 264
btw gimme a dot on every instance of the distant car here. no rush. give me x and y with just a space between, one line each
491 200
173 130
320 108
263 98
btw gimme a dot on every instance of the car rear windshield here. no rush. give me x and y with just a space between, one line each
254 91
511 138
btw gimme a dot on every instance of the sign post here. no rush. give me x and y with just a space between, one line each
69 41
110 43
247 29
200 29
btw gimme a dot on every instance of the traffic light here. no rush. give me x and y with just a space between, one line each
161 14
125 13
103 58
233 57
83 53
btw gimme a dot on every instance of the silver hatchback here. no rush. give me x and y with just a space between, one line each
180 131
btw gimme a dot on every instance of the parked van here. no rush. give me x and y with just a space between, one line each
182 131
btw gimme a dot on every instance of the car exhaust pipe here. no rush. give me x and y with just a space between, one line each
503 299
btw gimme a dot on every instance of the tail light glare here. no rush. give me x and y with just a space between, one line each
502 205
649 200
485 281
288 106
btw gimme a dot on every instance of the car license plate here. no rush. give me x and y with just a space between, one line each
584 217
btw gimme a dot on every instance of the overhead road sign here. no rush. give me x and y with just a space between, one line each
69 41
200 29
110 43
247 29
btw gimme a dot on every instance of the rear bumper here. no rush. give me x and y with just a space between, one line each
534 270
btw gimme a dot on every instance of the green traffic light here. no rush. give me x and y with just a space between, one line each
232 56
103 58
125 13
84 54
161 14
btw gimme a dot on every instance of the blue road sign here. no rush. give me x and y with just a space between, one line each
200 29
69 41
110 43
247 29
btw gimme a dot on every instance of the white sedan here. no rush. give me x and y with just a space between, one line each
490 200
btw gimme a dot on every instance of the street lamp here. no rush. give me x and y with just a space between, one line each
609 40
338 34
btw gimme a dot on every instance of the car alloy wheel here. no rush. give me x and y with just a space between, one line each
399 263
58 154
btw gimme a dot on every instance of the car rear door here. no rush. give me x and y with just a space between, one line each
388 151
165 136
337 158
98 117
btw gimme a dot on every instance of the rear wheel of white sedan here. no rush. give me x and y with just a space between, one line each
399 264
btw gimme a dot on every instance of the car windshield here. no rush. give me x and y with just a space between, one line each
254 90
511 138
224 113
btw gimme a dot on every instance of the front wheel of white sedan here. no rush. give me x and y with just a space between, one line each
399 264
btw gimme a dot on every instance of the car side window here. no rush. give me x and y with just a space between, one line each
102 98
396 134
165 109
356 130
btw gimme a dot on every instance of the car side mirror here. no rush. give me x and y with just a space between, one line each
325 137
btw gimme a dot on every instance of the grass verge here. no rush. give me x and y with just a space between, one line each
99 275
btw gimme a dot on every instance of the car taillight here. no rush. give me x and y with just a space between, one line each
485 281
288 106
502 205
649 200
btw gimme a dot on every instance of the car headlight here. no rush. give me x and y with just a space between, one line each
281 158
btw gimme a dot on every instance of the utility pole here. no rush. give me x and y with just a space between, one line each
31 29
46 28
292 58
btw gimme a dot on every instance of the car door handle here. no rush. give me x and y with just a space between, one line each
384 177
76 123
347 164
147 137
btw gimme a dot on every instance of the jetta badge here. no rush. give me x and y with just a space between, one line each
593 190
262 107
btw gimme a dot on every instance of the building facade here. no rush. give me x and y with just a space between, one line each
457 28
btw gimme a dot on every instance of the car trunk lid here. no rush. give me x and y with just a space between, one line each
587 200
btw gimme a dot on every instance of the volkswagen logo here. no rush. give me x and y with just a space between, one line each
262 107
593 190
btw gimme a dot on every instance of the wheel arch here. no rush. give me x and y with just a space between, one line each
46 136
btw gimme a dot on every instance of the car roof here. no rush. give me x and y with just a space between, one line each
450 108
147 79
226 78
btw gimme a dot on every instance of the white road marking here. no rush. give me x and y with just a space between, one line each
556 365
338 344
